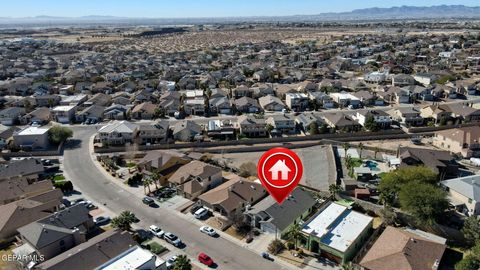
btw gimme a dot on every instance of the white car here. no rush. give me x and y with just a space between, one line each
208 230
156 231
171 262
200 213
172 239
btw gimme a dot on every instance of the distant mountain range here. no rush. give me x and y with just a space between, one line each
393 13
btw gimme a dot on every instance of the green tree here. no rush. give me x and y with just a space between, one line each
58 134
471 230
348 266
468 263
124 220
269 128
334 190
370 124
276 246
423 201
361 146
182 263
392 182
313 128
294 233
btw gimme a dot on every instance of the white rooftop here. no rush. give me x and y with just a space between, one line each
64 108
337 226
344 96
33 131
133 258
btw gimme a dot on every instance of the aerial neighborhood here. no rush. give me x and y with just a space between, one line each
129 147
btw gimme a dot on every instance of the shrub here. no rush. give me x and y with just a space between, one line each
290 245
275 247
156 248
65 186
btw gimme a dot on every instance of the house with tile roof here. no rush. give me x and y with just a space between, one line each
404 250
233 197
462 141
195 178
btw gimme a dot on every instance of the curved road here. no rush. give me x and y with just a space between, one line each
87 178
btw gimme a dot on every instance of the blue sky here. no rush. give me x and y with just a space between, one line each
198 8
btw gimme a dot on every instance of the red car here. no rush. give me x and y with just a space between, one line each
205 259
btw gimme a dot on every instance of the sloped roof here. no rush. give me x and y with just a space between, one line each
468 186
401 250
118 126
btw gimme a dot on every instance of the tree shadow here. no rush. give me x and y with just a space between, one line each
73 144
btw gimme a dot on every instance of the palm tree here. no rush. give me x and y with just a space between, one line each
124 220
376 150
348 266
182 263
156 175
346 146
147 181
360 147
294 233
334 190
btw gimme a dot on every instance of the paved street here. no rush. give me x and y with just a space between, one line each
93 184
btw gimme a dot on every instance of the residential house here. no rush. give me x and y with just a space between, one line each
58 232
116 112
153 133
402 80
383 119
170 102
376 77
99 99
134 258
75 100
64 114
186 131
194 106
337 232
426 79
284 124
19 188
247 105
462 112
340 121
223 129
273 218
118 133
404 249
418 92
144 110
407 115
11 116
47 100
92 113
440 162
344 99
296 101
39 116
164 162
220 105
19 213
99 250
464 194
462 141
365 97
251 127
305 120
6 134
242 91
32 138
271 103
31 168
322 99
195 178
435 113
231 198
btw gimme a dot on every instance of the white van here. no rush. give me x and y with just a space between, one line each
201 213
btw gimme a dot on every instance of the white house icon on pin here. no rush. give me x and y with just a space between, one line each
280 168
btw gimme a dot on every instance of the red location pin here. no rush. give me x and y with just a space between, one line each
280 171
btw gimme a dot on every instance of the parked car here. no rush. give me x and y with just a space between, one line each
156 231
101 220
194 208
201 213
172 239
148 201
171 262
208 230
205 259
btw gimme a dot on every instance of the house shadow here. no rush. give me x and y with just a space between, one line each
72 144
